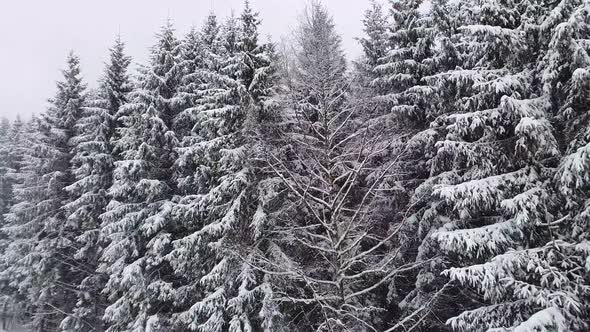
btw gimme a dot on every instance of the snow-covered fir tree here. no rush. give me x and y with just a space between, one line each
93 164
6 198
11 156
374 44
490 210
5 181
200 55
410 42
14 272
401 104
193 57
218 206
40 252
137 225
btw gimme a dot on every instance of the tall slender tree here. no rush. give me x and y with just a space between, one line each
489 210
331 251
93 164
136 224
401 104
220 291
7 148
41 249
14 271
5 182
374 44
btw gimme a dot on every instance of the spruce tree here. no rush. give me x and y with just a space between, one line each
374 44
490 205
192 57
220 290
15 271
40 254
93 164
136 224
7 146
200 55
400 106
5 182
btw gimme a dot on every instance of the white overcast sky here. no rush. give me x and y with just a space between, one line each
36 35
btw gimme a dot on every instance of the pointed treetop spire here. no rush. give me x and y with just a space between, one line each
210 30
249 29
71 89
115 83
73 65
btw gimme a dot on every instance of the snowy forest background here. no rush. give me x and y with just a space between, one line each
439 183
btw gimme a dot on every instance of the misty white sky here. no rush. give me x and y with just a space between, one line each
36 35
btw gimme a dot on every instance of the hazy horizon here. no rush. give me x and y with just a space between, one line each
40 35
